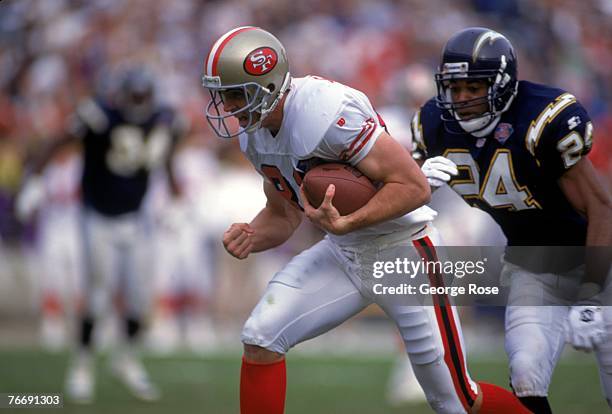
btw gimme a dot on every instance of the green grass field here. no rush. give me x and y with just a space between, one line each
315 385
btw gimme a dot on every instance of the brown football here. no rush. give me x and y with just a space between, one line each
353 189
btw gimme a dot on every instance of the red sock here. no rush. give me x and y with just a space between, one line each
262 387
496 400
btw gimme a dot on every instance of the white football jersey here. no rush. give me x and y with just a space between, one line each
327 120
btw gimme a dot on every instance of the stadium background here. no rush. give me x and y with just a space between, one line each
55 52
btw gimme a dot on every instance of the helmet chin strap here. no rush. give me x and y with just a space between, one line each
267 111
481 126
281 93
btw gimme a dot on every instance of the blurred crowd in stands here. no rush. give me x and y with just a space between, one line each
54 52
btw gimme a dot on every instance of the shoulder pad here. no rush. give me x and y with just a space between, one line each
314 108
545 117
424 122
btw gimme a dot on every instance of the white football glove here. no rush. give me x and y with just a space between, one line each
584 327
438 171
29 198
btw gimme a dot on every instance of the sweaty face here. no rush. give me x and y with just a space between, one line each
469 97
234 100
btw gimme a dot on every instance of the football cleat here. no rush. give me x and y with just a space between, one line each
80 380
131 373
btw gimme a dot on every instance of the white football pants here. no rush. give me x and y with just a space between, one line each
535 335
115 251
327 284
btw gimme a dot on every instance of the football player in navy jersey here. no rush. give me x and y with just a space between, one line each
123 139
517 150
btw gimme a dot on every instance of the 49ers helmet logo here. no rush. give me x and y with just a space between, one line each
260 61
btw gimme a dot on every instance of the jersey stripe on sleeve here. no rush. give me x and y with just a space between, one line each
369 126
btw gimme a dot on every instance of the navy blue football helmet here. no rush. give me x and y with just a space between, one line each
483 54
136 94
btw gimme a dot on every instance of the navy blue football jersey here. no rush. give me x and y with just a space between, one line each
119 155
512 173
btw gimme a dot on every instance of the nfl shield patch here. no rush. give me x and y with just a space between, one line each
503 132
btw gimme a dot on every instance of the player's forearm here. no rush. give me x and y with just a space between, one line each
272 229
405 187
585 192
599 232
393 200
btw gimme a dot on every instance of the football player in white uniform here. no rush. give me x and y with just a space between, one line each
286 125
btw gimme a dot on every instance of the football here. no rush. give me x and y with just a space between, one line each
353 189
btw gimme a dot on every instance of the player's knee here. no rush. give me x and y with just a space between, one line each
254 353
604 358
264 334
605 373
606 368
529 375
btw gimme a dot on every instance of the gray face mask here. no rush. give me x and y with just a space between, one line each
255 97
260 101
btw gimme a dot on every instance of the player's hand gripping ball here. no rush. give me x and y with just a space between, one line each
353 189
